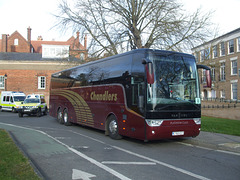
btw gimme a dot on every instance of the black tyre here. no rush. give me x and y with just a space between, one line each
39 112
60 116
14 110
45 111
65 118
20 114
112 127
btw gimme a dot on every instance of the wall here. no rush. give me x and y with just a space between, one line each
221 109
23 75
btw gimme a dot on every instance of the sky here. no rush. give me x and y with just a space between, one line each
20 14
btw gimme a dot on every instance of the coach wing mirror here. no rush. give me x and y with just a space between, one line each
207 74
149 71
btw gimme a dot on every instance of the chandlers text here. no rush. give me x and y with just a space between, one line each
103 97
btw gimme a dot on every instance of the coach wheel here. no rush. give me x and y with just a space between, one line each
65 118
112 127
60 116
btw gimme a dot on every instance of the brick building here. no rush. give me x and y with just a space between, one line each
71 48
222 54
26 65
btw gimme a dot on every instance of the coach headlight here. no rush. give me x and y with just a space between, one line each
154 122
197 120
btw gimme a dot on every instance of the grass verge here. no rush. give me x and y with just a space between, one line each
220 125
13 164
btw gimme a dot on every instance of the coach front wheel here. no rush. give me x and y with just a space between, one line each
112 127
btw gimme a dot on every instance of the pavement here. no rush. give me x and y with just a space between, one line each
216 141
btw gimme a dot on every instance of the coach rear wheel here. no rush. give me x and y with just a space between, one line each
60 116
65 118
112 127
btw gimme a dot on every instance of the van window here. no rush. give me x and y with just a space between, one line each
43 101
7 98
11 99
4 98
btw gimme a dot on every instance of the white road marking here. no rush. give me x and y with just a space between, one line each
128 163
216 150
121 149
77 174
163 164
93 161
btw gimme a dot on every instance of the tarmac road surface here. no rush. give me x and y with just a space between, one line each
75 152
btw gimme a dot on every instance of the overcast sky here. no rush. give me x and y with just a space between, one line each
20 14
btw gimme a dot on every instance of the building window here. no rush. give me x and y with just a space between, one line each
55 51
213 74
238 44
234 91
41 82
222 71
231 46
234 67
222 94
196 57
201 55
214 51
81 56
2 82
213 94
203 76
222 49
207 53
16 42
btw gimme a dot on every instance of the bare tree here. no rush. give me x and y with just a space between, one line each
120 25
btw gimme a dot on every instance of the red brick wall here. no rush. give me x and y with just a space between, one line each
27 81
22 46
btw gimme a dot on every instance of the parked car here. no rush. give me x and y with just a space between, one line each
33 104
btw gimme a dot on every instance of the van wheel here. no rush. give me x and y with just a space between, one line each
112 128
45 111
14 110
39 112
60 116
65 118
20 114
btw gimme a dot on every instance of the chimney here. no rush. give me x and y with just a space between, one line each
29 37
77 38
85 41
29 34
4 43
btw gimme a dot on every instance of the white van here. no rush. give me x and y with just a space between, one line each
10 100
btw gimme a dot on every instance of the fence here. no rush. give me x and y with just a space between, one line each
221 108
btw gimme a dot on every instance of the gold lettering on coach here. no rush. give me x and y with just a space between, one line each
103 97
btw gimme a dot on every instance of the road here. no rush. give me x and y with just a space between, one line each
61 152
